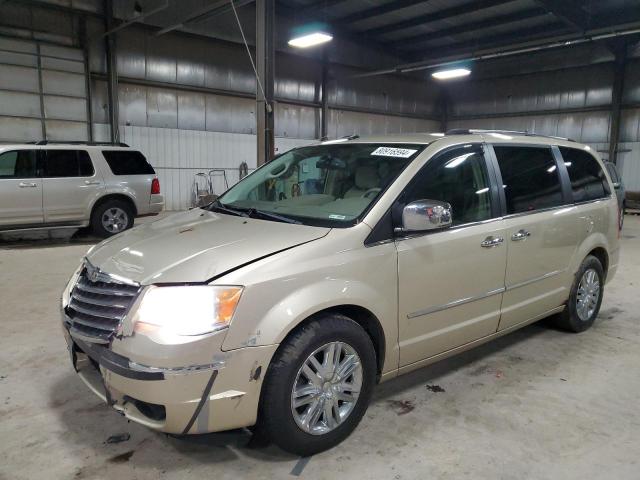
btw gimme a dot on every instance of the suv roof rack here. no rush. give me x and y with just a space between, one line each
466 131
79 142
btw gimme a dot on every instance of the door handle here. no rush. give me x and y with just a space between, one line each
27 185
92 182
491 242
520 235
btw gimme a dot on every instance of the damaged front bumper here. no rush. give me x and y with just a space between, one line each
181 388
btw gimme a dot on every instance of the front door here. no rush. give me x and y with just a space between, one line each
70 185
20 189
542 232
451 281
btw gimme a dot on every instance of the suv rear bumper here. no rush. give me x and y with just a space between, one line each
220 396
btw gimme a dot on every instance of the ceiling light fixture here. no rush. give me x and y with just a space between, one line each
451 73
310 40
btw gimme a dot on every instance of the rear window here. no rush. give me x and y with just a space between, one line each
588 181
127 162
530 178
67 163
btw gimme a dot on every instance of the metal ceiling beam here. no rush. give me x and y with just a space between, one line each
569 11
214 9
317 7
464 9
412 43
136 19
380 10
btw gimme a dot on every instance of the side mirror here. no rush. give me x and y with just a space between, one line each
424 215
616 185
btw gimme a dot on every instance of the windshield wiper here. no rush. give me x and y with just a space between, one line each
255 213
222 208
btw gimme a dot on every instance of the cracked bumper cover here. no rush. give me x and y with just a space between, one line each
199 387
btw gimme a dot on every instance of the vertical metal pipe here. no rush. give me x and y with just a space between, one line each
324 127
43 123
84 38
112 73
616 100
265 59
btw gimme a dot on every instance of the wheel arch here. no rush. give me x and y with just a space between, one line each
115 196
363 317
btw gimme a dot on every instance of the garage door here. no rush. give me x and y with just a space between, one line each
43 92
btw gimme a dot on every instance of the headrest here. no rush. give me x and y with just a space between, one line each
366 177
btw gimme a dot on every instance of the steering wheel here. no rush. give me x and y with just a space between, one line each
368 193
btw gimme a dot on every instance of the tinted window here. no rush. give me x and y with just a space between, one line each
458 177
588 181
127 162
67 163
530 178
18 164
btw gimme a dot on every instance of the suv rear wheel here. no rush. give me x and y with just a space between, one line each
111 217
585 297
318 385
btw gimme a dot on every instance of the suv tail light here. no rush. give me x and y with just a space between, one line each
155 186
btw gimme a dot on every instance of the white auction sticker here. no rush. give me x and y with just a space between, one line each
393 152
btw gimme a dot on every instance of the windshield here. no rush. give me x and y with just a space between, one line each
324 185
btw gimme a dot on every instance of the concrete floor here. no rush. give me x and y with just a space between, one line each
538 403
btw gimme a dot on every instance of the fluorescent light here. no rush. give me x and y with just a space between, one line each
482 190
453 73
310 40
551 169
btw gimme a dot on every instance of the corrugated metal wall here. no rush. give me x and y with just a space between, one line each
572 103
42 92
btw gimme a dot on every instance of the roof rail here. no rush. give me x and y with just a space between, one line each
79 142
465 131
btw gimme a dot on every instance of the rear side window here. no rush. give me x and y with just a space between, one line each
18 164
67 163
588 181
530 178
127 162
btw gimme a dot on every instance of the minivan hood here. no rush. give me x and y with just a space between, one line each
195 246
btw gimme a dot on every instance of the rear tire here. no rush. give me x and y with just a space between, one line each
333 397
111 217
585 298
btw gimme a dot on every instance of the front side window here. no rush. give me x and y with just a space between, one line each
588 181
326 185
67 163
530 178
18 164
127 162
458 177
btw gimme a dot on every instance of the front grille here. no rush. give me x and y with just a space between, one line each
98 304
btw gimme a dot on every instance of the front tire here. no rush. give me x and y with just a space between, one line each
585 298
318 385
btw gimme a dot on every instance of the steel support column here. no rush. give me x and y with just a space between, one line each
324 99
616 100
112 72
265 64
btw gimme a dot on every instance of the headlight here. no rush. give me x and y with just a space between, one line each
187 310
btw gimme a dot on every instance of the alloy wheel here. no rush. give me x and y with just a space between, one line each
588 294
326 388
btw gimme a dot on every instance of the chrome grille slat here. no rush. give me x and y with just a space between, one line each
98 305
104 291
93 312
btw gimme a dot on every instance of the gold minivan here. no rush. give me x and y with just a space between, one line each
334 267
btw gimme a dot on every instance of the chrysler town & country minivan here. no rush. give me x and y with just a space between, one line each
334 267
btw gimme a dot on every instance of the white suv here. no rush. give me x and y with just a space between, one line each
47 185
